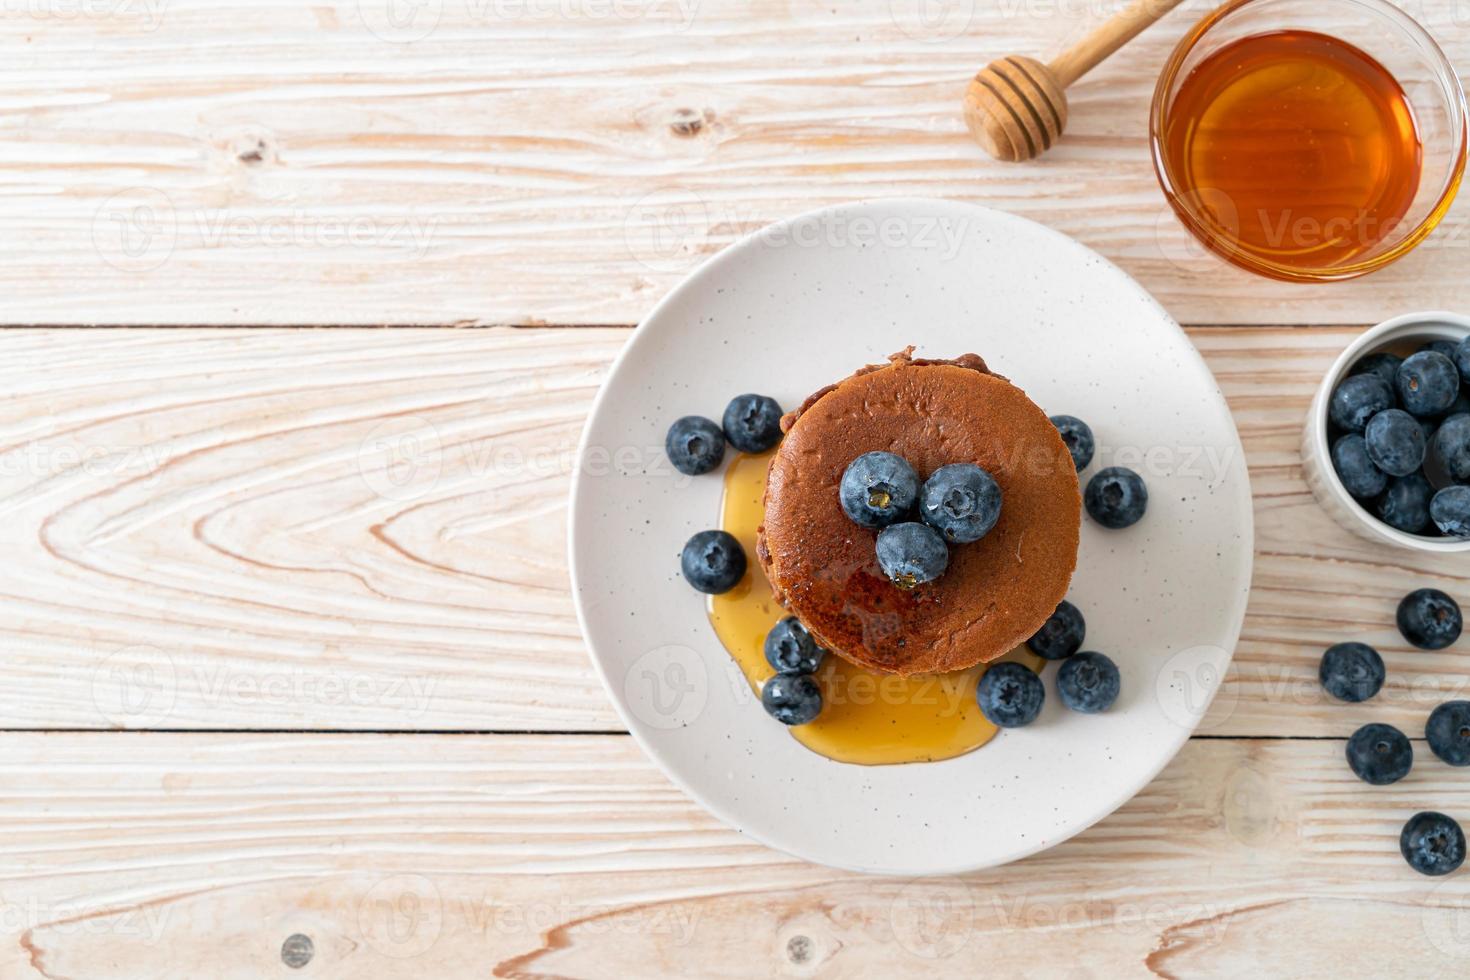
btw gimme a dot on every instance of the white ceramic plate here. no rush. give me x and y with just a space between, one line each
804 303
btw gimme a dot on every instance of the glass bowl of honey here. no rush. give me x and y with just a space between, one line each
1309 140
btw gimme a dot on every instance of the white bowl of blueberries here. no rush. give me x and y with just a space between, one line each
1386 448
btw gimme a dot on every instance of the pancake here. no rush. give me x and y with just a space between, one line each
997 591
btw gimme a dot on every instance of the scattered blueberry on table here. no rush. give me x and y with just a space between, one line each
1010 695
790 649
1395 442
878 489
1427 383
1357 399
1088 682
792 699
1448 732
1432 843
1116 497
1379 754
1061 635
1429 619
694 445
713 562
1351 671
961 501
1078 437
911 554
1356 470
752 423
1450 511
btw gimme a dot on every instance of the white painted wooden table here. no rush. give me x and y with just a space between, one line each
292 685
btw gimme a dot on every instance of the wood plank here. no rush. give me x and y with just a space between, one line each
221 529
180 856
227 528
524 161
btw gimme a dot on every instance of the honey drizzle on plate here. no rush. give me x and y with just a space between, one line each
867 717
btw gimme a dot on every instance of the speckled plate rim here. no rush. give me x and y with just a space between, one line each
632 349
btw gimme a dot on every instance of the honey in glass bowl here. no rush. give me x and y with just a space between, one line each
1300 148
1309 140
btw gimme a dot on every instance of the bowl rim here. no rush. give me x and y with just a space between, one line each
1404 326
1454 92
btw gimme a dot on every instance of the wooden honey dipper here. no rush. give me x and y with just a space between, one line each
1016 107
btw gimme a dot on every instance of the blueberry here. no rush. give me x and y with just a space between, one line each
1405 504
1450 447
912 553
713 562
1078 437
1384 365
1448 732
1351 671
1061 635
792 699
1428 383
1461 357
1088 682
1432 843
791 650
1429 619
1395 442
961 501
1445 347
1357 399
1010 695
752 423
1450 511
878 489
1116 497
1379 754
1356 471
694 445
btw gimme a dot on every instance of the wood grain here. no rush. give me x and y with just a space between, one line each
558 161
294 529
181 856
364 529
